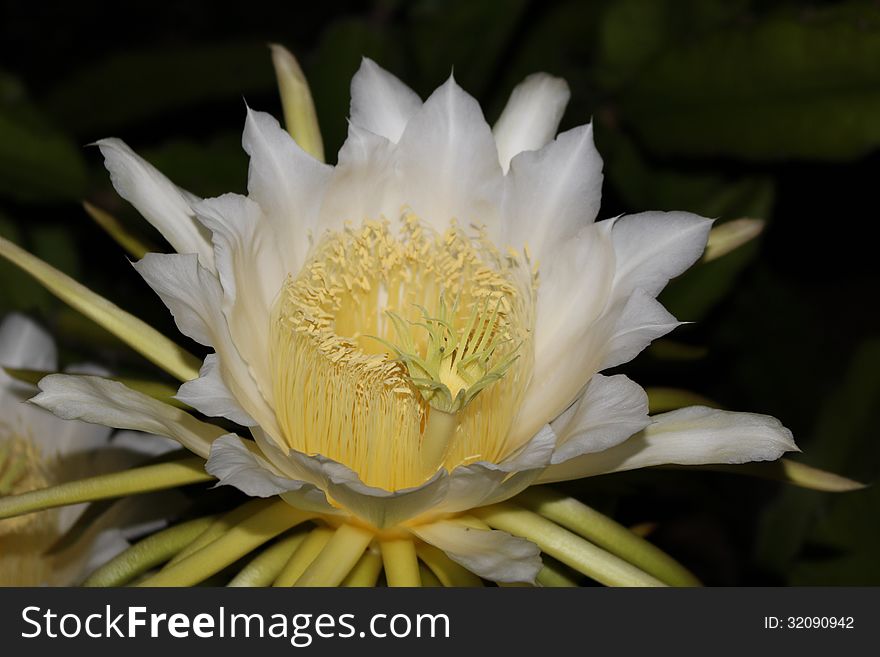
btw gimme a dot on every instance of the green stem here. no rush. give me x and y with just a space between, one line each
147 554
338 557
305 554
265 567
118 484
366 571
219 527
570 549
401 562
555 575
606 533
229 548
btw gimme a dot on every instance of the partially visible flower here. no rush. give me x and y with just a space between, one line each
37 449
417 333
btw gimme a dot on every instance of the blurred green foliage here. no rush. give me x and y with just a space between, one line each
727 108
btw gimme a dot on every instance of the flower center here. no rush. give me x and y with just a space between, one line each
397 355
24 539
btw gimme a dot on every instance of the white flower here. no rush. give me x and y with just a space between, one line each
419 330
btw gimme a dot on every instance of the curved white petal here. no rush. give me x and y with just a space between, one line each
552 193
209 394
489 553
160 201
653 247
286 182
110 403
251 273
631 325
695 435
380 102
482 483
448 162
574 290
235 465
612 409
195 298
531 116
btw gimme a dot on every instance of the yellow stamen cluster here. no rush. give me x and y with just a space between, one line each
398 354
24 539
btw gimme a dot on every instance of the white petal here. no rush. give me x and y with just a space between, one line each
612 409
24 344
491 554
209 394
160 201
574 290
287 182
638 322
236 465
363 184
653 247
531 116
380 102
482 483
110 403
695 435
251 273
551 194
195 298
448 161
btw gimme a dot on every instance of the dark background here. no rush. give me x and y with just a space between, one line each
726 108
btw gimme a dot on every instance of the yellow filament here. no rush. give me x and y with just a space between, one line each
378 326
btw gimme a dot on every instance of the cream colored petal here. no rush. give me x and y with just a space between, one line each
380 102
210 395
160 201
251 272
448 162
491 554
531 116
286 182
653 247
696 435
109 403
195 298
612 409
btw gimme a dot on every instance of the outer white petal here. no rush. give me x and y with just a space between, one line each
448 162
195 298
287 182
110 403
159 200
653 247
483 483
612 409
531 116
251 272
695 435
491 554
236 465
551 194
380 102
631 325
210 395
